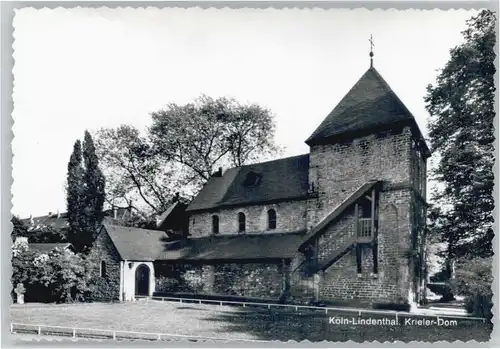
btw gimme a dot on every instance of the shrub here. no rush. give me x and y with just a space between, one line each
445 290
167 284
59 276
473 279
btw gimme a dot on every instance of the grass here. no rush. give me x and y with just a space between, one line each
239 323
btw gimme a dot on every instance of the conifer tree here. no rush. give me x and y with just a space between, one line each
85 194
74 197
94 184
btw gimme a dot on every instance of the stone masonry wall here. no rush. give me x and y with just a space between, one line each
106 288
335 236
290 217
391 283
337 170
418 170
254 280
418 215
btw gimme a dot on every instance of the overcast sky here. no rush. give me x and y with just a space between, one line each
83 69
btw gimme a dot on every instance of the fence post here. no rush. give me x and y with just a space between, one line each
326 310
159 336
39 330
114 335
74 332
296 308
397 320
269 306
11 327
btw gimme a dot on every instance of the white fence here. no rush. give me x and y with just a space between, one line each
93 333
78 332
359 311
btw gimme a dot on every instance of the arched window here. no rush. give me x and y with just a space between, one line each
271 219
215 224
103 269
241 222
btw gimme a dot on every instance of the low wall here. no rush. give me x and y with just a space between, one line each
258 280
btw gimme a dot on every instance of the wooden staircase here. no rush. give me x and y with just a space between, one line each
338 253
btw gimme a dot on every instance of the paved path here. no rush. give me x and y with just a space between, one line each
34 337
27 337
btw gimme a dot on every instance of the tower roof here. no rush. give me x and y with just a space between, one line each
369 104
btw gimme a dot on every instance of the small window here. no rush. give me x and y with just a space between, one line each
271 219
103 269
215 224
241 222
252 179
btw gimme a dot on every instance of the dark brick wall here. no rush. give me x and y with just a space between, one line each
231 279
337 171
105 288
336 235
341 280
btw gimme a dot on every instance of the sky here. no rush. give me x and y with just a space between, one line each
78 69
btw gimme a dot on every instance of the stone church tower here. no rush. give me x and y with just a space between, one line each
369 137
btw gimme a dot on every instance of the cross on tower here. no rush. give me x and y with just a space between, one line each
371 50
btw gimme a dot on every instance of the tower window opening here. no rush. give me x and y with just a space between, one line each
241 222
215 224
271 219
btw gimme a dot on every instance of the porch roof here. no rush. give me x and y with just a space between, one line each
149 245
234 247
136 244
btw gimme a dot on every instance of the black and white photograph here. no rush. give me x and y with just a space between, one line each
253 175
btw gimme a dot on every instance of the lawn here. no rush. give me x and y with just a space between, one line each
240 323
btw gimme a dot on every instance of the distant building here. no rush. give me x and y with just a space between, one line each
59 221
343 222
44 248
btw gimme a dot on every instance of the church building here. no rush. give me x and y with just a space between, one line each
344 222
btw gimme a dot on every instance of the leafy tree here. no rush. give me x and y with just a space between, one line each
85 194
19 228
66 276
133 172
59 276
181 149
23 270
474 279
209 133
461 105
